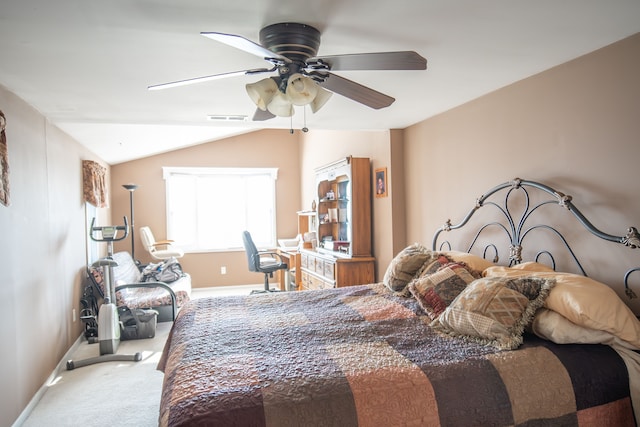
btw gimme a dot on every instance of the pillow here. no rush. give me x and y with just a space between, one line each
436 262
494 310
474 261
434 292
127 271
551 326
584 301
97 276
405 265
518 270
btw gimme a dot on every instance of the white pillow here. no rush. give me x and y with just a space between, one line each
583 301
549 325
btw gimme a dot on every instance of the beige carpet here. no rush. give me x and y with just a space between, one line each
113 393
106 394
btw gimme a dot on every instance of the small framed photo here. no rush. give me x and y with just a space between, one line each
380 183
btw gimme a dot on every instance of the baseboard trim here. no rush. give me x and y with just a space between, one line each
207 291
62 365
226 287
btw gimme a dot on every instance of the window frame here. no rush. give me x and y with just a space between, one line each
169 171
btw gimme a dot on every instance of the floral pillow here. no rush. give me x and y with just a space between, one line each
97 276
494 310
435 291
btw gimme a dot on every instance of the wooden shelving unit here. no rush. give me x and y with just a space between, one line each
342 222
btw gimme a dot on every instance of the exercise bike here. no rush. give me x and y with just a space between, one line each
108 321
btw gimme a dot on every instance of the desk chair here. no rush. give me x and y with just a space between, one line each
262 262
159 249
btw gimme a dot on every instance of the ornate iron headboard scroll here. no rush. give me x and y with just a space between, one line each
517 229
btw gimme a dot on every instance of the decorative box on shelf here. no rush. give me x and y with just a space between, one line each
337 246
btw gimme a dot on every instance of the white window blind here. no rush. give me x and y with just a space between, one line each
209 208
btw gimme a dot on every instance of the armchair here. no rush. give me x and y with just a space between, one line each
159 249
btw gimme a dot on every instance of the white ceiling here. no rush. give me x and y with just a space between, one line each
86 64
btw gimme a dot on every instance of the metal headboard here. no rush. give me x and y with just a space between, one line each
517 229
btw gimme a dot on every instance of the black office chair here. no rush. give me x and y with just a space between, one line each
262 262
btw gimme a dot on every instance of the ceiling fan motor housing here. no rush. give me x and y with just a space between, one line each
298 42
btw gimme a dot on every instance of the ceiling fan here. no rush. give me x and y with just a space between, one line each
302 77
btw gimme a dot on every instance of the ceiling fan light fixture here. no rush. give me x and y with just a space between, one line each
304 78
321 98
280 105
301 90
262 92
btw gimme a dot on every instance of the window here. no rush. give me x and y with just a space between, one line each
209 208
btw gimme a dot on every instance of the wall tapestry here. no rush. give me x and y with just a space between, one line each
4 162
94 185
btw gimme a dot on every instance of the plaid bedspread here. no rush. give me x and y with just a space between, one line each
360 356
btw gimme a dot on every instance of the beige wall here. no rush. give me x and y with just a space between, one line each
42 255
268 148
575 127
396 215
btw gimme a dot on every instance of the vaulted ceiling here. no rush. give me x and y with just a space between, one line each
86 65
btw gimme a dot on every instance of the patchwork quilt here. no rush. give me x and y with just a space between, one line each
362 356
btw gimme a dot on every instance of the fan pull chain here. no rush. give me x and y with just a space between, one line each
304 125
304 115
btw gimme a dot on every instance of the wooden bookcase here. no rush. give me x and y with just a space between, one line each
343 227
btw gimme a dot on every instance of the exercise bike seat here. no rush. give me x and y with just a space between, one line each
105 262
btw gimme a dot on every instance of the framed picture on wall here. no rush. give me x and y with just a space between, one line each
380 183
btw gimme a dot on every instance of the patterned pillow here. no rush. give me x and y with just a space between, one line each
125 272
97 276
494 310
474 261
405 265
438 261
435 291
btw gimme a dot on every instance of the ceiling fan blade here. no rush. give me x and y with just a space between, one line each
356 91
406 60
209 78
247 45
261 115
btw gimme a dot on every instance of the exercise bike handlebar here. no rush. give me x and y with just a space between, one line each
108 233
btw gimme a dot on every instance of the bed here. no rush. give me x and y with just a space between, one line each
448 338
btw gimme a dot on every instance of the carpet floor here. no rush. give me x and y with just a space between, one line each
106 394
112 393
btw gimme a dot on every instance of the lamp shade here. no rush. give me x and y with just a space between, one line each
280 105
262 92
321 98
301 90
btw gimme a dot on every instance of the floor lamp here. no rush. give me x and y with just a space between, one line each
131 188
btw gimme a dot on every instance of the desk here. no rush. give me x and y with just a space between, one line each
293 263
